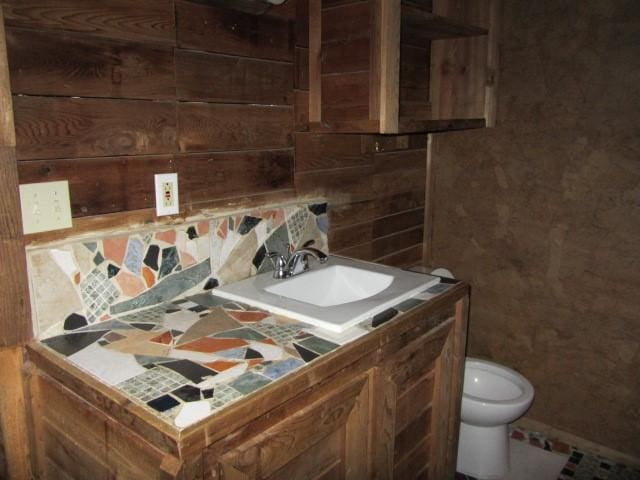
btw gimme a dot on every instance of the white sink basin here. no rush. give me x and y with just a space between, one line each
336 295
334 285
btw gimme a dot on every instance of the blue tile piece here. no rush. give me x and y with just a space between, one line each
318 345
170 260
233 353
105 325
323 223
207 300
163 403
307 355
75 321
439 288
249 382
98 259
278 369
242 333
169 288
190 370
409 304
151 258
187 393
71 343
248 223
133 258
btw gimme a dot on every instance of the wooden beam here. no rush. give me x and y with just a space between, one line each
493 63
7 131
389 64
315 61
13 422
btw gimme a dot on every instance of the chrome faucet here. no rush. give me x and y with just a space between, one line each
295 261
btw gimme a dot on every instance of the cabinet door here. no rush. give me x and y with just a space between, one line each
408 433
326 439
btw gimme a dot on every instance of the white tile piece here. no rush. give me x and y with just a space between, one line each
347 336
110 366
224 376
64 260
191 412
534 463
269 352
181 321
191 355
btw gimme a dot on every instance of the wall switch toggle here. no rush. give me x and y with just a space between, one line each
166 194
45 206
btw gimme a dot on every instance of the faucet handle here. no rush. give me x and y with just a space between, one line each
279 265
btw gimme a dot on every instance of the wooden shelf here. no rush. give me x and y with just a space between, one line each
420 26
374 67
405 125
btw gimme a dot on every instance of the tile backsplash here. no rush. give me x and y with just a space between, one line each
83 282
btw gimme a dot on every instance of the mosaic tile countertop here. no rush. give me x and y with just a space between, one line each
186 359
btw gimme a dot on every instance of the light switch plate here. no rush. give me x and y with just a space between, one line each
45 206
166 194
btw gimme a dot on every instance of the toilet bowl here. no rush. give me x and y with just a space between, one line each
493 396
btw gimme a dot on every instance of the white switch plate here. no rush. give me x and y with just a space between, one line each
45 206
166 194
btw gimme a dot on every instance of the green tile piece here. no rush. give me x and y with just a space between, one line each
318 345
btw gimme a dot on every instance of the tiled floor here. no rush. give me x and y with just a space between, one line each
534 457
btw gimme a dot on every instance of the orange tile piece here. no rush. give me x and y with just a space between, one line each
166 338
223 229
168 236
186 260
130 285
221 365
203 228
269 341
210 345
254 361
247 316
114 248
149 277
76 278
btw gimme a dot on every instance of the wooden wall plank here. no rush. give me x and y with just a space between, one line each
15 327
302 69
222 78
58 127
51 63
219 175
7 130
116 183
318 152
221 127
13 421
213 29
141 20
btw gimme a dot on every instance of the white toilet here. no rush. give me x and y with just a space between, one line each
493 396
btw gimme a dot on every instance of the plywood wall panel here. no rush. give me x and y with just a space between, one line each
138 20
51 63
58 127
227 79
221 127
116 184
221 175
220 30
540 215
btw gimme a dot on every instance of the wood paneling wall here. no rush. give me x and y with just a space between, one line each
108 93
541 215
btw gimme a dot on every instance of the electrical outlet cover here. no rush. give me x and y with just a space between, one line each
167 202
45 206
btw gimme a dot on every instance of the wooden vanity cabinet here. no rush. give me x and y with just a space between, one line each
400 66
385 406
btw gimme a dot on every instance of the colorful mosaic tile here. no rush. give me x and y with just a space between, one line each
120 274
